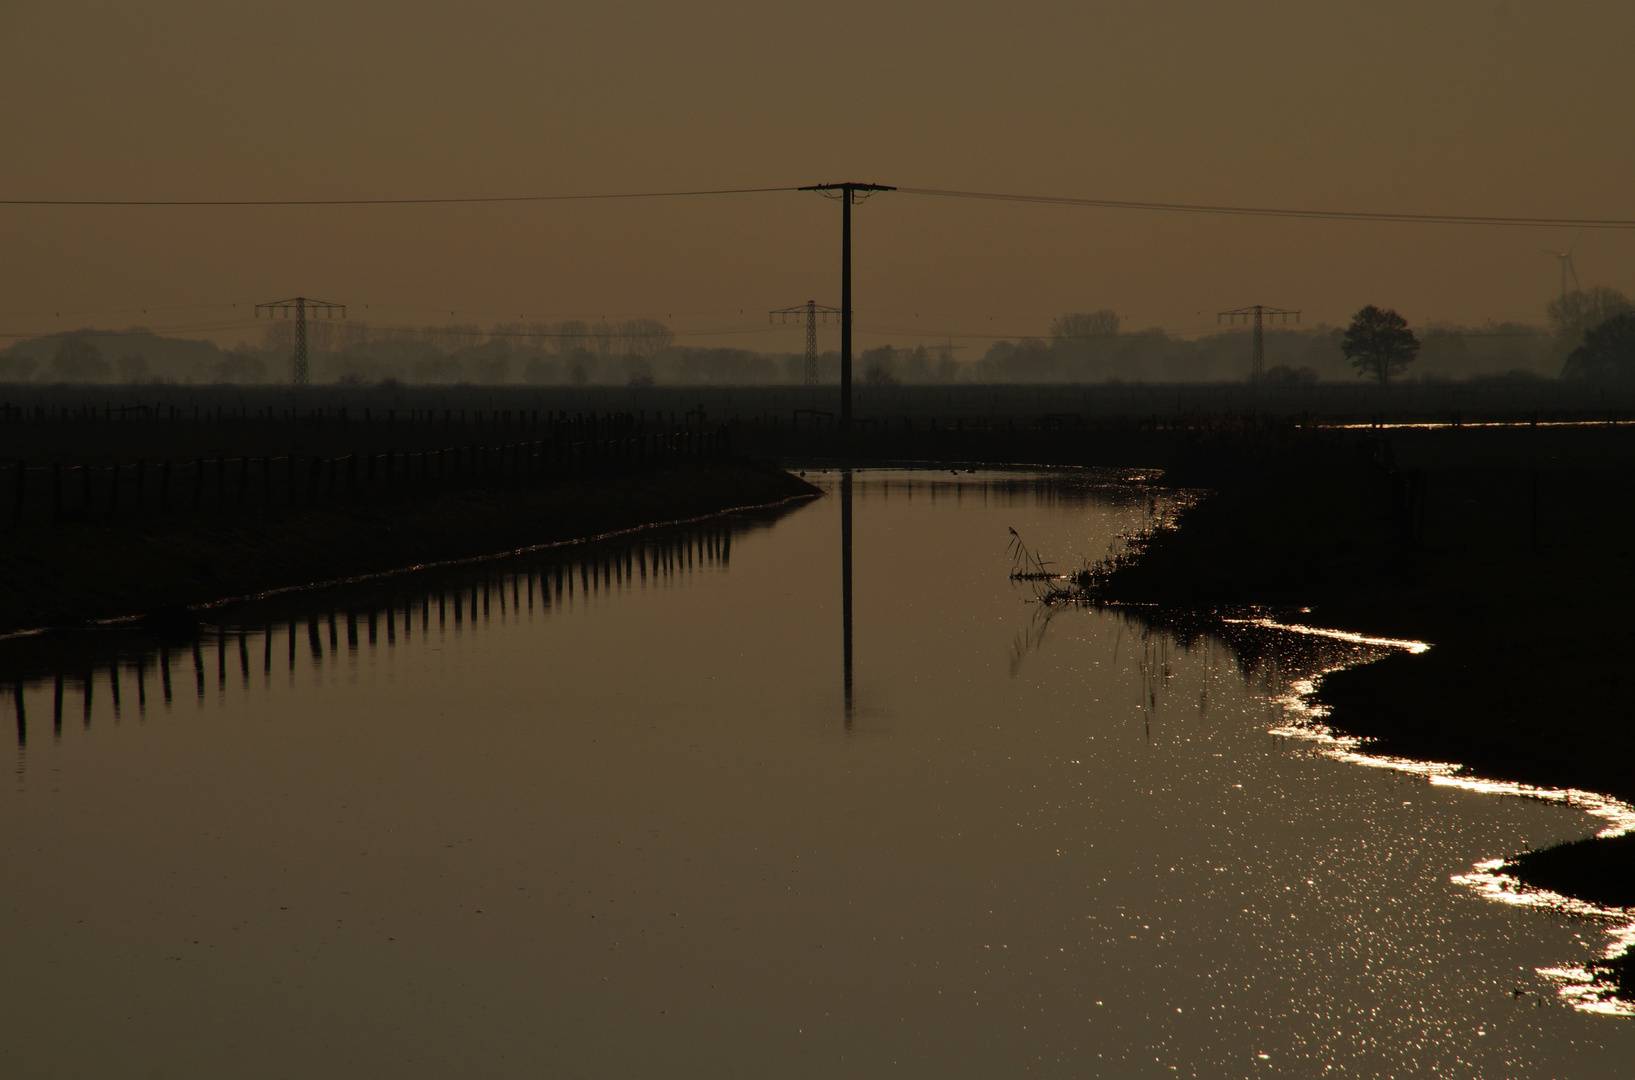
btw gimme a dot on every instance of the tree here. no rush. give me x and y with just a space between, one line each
1608 352
77 360
1080 325
1582 310
880 366
1379 343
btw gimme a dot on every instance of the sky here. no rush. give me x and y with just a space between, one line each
1494 107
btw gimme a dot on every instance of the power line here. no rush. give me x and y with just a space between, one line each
1285 212
1000 196
455 200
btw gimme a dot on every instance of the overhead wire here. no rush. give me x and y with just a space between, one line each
415 201
1283 212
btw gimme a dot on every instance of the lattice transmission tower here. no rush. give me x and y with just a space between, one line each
300 306
1258 314
813 311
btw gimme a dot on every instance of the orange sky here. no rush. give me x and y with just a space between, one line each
1498 108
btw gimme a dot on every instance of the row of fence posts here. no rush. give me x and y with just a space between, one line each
92 491
366 621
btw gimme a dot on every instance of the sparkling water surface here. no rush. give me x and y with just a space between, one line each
610 813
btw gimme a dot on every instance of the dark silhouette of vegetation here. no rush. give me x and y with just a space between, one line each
1379 344
1578 312
1608 352
1079 348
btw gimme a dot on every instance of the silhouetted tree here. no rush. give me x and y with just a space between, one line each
1080 325
1608 352
1582 310
880 366
79 361
1379 343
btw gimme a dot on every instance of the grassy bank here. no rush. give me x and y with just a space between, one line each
1509 550
68 572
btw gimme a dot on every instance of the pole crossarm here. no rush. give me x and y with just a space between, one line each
850 187
1246 313
301 303
803 309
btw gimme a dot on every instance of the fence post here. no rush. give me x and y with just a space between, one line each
141 483
22 491
113 491
164 487
56 490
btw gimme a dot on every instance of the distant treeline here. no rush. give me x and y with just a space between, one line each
1080 348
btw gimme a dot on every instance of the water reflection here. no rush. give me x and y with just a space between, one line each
331 625
846 586
427 806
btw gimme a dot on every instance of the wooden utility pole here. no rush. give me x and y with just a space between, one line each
848 195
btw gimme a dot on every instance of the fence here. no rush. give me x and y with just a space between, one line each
84 492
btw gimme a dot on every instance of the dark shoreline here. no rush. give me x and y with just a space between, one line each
73 573
1515 560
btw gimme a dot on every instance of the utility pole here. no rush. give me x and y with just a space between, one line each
1258 313
848 195
811 309
300 305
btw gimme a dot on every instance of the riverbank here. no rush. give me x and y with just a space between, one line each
1510 551
70 572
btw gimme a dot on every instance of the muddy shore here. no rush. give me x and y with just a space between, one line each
70 572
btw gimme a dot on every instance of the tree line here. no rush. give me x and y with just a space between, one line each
1587 336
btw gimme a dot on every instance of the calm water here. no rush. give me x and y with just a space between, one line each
615 816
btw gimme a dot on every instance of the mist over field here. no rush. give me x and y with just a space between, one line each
1092 347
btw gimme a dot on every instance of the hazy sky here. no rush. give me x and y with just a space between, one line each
1502 108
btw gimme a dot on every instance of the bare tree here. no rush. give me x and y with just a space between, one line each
1582 310
644 337
571 336
1379 343
1080 325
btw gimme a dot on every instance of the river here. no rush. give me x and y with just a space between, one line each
639 810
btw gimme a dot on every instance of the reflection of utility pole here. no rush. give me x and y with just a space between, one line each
846 584
1257 364
300 305
848 195
811 309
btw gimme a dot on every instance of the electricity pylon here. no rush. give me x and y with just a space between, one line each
848 195
1259 312
811 309
300 305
